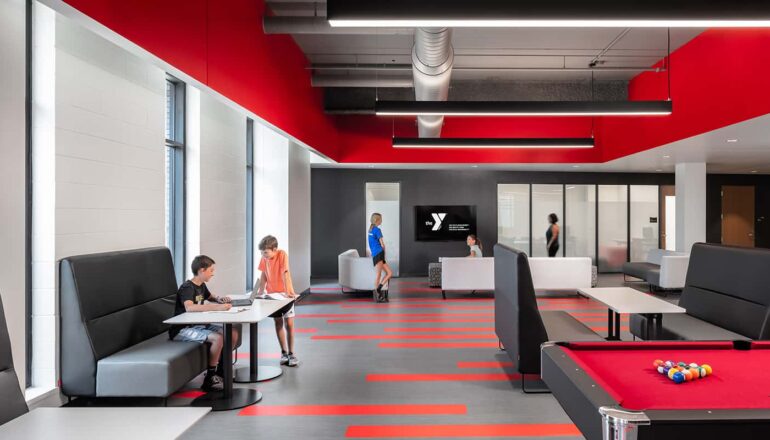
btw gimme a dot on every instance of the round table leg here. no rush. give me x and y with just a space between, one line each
239 398
264 373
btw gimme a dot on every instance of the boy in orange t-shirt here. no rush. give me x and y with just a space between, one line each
276 278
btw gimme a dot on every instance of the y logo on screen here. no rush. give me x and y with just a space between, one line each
438 218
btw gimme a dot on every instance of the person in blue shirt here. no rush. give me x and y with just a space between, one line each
377 246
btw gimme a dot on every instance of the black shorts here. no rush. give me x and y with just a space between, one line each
379 257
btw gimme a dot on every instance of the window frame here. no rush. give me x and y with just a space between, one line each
176 215
249 204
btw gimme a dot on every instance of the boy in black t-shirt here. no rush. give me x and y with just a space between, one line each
191 297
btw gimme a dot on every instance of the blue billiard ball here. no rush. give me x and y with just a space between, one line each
678 377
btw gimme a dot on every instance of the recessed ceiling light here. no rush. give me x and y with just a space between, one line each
732 141
753 171
522 108
575 166
666 157
371 166
658 170
474 166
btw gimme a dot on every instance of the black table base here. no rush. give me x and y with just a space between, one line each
236 398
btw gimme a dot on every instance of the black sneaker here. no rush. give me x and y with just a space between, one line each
212 382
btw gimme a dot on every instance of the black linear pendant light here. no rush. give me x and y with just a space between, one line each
522 108
551 13
495 143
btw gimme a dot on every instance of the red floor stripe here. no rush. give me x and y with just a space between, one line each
452 377
395 315
407 337
491 364
352 410
416 306
407 320
438 329
460 431
438 345
191 394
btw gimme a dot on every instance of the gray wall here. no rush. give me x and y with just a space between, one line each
338 208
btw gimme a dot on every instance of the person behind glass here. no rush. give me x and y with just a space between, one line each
552 235
475 244
377 246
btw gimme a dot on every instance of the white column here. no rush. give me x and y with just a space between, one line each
299 216
690 205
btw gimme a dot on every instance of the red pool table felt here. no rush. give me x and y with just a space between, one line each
740 378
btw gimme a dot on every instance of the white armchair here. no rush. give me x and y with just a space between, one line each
462 273
571 273
355 272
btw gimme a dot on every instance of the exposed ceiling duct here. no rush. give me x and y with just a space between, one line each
432 58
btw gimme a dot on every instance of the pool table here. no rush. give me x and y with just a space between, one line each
611 390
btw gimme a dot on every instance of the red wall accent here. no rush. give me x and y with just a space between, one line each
221 44
718 79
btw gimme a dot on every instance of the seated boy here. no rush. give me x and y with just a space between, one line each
276 278
191 297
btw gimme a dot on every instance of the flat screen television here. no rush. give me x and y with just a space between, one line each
444 223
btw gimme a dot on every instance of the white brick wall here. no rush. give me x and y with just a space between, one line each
223 194
12 176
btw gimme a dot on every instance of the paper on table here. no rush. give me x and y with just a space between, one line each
278 296
232 310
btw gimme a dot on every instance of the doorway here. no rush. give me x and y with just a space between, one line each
667 217
738 215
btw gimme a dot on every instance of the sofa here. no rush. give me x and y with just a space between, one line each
113 341
519 325
662 268
571 273
726 295
12 403
355 272
467 274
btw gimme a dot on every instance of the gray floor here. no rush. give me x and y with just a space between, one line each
333 372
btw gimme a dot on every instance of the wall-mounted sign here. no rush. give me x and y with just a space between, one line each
444 223
653 219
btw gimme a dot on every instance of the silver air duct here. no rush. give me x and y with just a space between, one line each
432 58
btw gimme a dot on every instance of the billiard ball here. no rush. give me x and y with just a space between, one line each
669 364
688 375
661 369
702 371
678 377
657 363
693 365
707 367
671 373
681 364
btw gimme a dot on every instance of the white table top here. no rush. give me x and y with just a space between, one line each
259 310
628 300
103 423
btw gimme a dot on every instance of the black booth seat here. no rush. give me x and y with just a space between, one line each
726 295
519 325
113 339
12 403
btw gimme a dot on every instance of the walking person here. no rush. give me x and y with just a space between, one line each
377 246
552 235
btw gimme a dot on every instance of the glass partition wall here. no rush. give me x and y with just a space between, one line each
644 221
580 221
385 199
613 227
513 216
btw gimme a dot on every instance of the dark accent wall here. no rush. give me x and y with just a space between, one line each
761 183
338 208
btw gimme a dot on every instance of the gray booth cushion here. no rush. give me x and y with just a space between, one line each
155 367
12 403
521 327
683 327
726 295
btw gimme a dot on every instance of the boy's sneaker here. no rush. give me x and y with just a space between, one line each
212 382
284 358
293 361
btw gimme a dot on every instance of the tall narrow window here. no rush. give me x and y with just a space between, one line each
249 204
175 128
